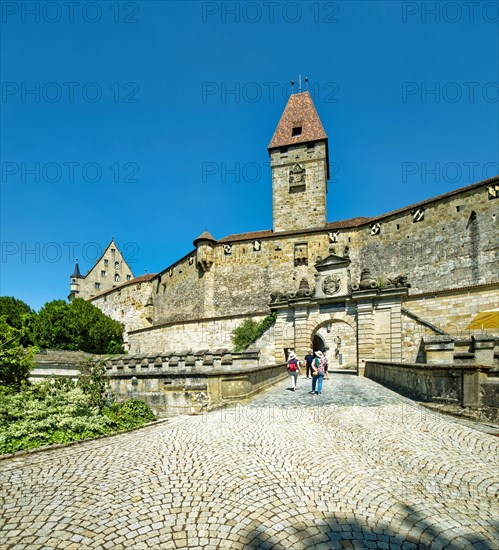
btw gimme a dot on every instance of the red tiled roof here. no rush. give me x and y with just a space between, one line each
140 279
299 112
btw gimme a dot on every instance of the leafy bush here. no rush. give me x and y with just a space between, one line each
95 385
60 412
16 362
250 331
18 315
78 325
130 414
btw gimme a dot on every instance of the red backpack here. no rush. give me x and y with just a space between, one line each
293 365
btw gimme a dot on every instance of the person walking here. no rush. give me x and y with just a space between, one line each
309 359
293 369
318 373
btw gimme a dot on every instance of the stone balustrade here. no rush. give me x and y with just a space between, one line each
466 385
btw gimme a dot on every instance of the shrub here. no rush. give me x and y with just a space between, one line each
16 362
130 414
250 331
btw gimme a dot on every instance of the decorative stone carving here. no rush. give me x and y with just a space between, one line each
400 281
375 229
331 285
297 176
367 281
257 245
227 249
304 290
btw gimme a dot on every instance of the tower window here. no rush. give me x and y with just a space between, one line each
97 286
103 273
296 131
106 262
128 277
116 278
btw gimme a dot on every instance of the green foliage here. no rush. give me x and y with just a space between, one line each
95 385
380 283
77 326
18 315
16 361
130 414
43 416
250 331
60 411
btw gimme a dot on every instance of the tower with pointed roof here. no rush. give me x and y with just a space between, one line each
299 161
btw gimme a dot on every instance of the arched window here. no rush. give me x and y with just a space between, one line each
116 278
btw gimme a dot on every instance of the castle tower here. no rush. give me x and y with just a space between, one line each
75 283
299 160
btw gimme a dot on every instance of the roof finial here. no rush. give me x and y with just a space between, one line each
299 84
292 87
306 82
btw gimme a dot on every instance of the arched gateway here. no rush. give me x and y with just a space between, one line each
351 323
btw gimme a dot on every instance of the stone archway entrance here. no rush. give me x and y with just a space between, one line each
337 340
318 344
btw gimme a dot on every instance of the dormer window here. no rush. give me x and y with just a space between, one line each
296 131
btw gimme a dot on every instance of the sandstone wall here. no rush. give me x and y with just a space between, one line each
450 311
454 245
128 305
196 336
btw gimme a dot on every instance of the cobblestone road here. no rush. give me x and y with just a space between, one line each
357 467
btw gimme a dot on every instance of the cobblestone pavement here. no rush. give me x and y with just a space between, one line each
357 467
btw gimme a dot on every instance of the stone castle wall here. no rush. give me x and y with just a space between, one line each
454 245
448 248
128 305
450 311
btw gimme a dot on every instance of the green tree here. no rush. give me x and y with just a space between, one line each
77 326
19 315
16 361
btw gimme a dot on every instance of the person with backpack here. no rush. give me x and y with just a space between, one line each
319 369
293 369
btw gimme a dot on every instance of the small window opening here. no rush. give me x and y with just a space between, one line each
459 208
310 146
284 151
398 226
97 286
296 131
103 273
128 277
106 262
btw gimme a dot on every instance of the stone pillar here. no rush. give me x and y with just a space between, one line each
439 349
284 334
483 345
365 329
471 387
302 342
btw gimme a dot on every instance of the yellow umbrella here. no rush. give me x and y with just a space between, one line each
485 319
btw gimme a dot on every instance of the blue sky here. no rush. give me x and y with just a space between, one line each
149 121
